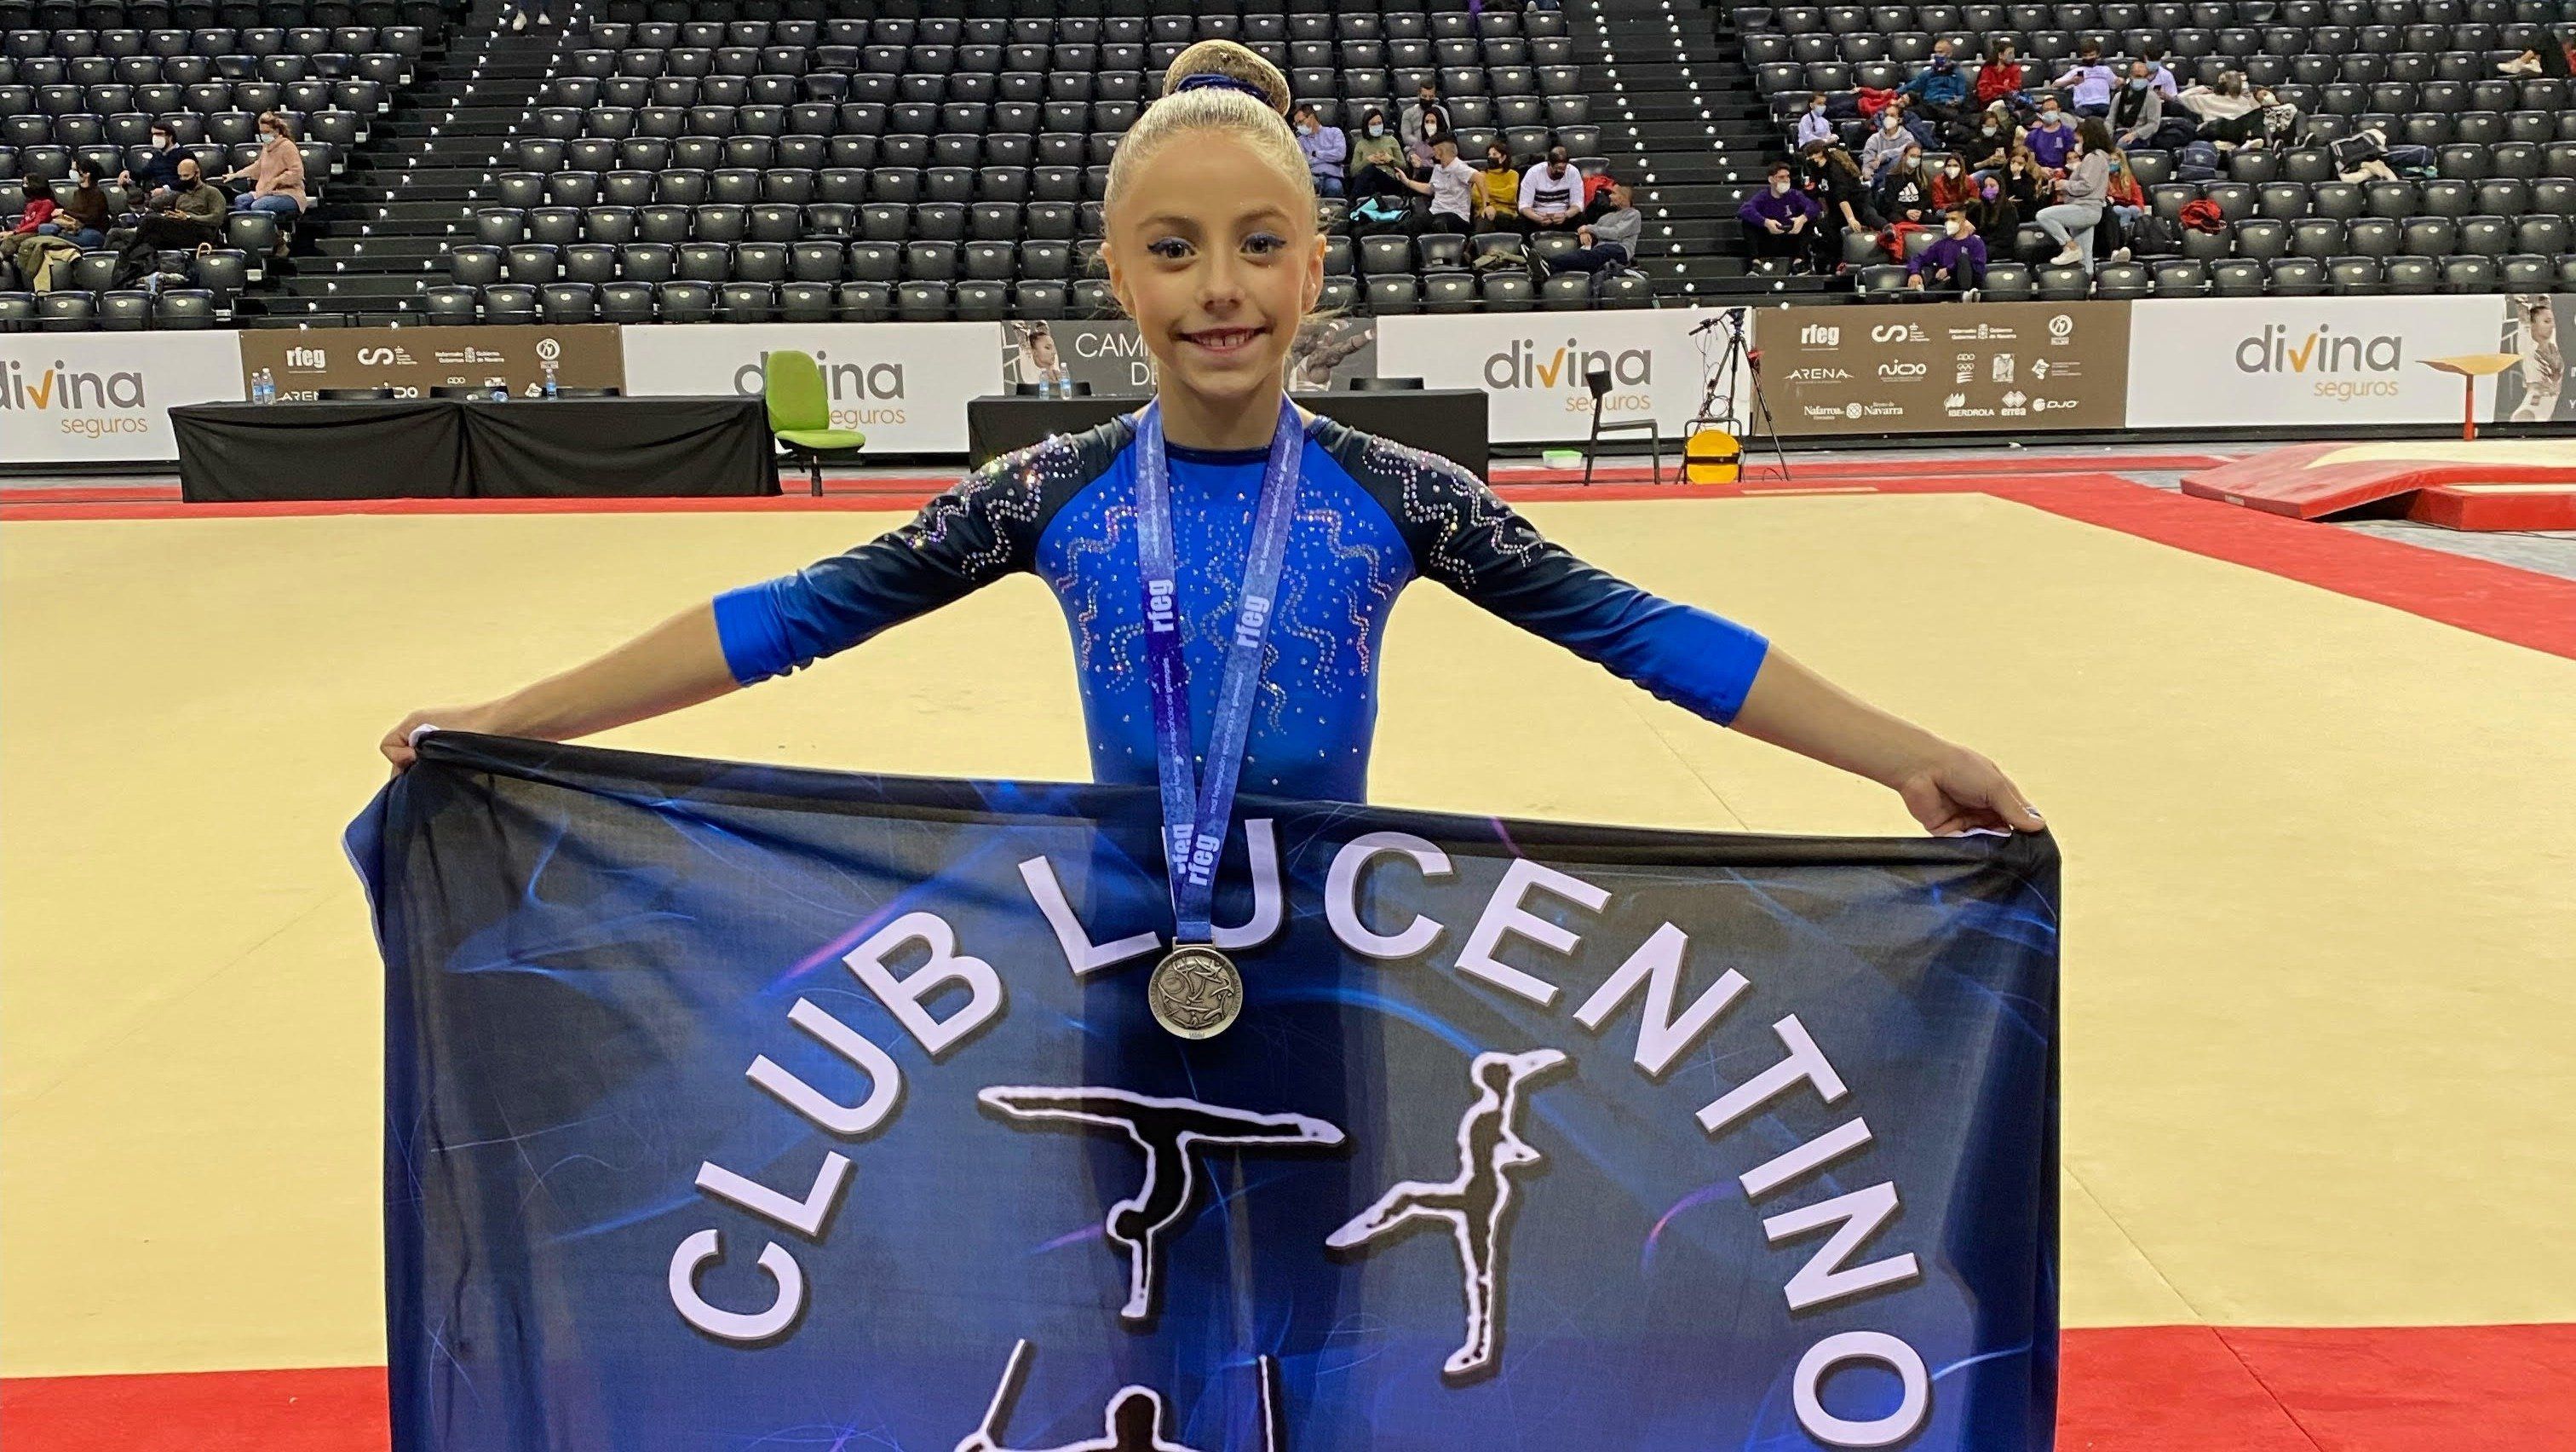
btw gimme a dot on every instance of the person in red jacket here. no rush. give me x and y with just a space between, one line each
1999 79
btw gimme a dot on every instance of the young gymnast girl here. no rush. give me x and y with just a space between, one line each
1227 562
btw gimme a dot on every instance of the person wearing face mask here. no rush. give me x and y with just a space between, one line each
2138 111
1813 123
1887 145
1936 92
1951 184
2226 101
2081 195
2126 200
1376 160
1905 193
2092 80
1832 180
2051 139
1983 144
1999 79
1551 195
1498 192
1424 122
1955 262
156 173
1779 221
1326 149
276 175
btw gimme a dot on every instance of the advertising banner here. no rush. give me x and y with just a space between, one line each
1660 363
1110 356
735 1106
1945 368
2289 362
904 385
412 361
88 398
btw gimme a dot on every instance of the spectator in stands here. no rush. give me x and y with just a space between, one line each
2126 201
2552 57
1326 150
1937 92
2081 195
1886 145
159 173
1999 79
2006 197
1551 195
188 218
1609 241
2138 111
521 11
1956 260
1451 188
1780 220
1376 166
82 218
2092 80
276 174
2226 101
2051 138
2158 73
1988 144
1498 192
1423 122
1952 187
1596 194
1814 124
1833 181
1905 193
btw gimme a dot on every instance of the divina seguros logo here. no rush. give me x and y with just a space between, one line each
2344 365
1528 363
89 404
861 394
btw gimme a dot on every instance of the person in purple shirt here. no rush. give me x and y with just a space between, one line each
1956 260
2050 138
1779 220
1326 149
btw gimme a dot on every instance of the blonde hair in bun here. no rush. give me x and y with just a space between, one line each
1260 120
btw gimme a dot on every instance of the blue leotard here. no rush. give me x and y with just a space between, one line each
1371 516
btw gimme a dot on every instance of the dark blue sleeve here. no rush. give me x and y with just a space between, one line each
1467 538
965 539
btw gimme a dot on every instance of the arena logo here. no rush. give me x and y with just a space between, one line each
946 999
2323 350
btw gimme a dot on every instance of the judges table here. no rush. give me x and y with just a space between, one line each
1444 421
437 448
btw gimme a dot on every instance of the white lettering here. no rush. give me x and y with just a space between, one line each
1082 955
705 1246
1806 1159
885 1081
1269 898
1806 1063
1504 914
905 996
806 1217
1860 1214
1912 1406
1341 895
1656 967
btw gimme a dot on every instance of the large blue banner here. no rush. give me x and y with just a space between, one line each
737 1107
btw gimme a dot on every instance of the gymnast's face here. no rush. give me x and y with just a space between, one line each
1214 253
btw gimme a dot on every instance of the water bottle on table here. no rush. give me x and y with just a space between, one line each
550 380
499 390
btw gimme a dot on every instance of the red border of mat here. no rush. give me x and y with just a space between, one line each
2523 607
2125 1389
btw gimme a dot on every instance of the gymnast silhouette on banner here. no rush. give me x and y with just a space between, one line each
1171 1133
1132 1423
1476 1203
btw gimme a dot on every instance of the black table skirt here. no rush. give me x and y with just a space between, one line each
1444 421
646 447
403 448
448 449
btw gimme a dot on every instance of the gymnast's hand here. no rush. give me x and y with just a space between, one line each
1964 792
397 745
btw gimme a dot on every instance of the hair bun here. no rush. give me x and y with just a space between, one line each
1231 65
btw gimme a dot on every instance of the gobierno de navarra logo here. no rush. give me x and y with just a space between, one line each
91 405
946 999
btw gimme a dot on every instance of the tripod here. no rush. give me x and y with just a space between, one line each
1713 410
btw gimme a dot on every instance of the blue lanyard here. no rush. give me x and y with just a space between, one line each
1195 814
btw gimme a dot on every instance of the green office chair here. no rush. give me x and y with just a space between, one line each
800 412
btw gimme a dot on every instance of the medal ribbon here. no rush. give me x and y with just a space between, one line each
1195 812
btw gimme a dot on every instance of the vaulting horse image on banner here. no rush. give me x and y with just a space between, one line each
735 1107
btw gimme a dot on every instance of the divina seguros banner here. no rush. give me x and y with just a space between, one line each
904 385
737 1105
87 398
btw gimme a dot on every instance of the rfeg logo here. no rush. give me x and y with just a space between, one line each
1562 368
861 394
1650 1014
92 405
2344 365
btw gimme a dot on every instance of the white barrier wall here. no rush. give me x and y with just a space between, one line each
2306 362
904 385
89 398
1533 365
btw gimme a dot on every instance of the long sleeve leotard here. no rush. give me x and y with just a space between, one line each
1371 516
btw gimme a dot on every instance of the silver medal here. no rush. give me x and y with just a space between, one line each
1196 992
